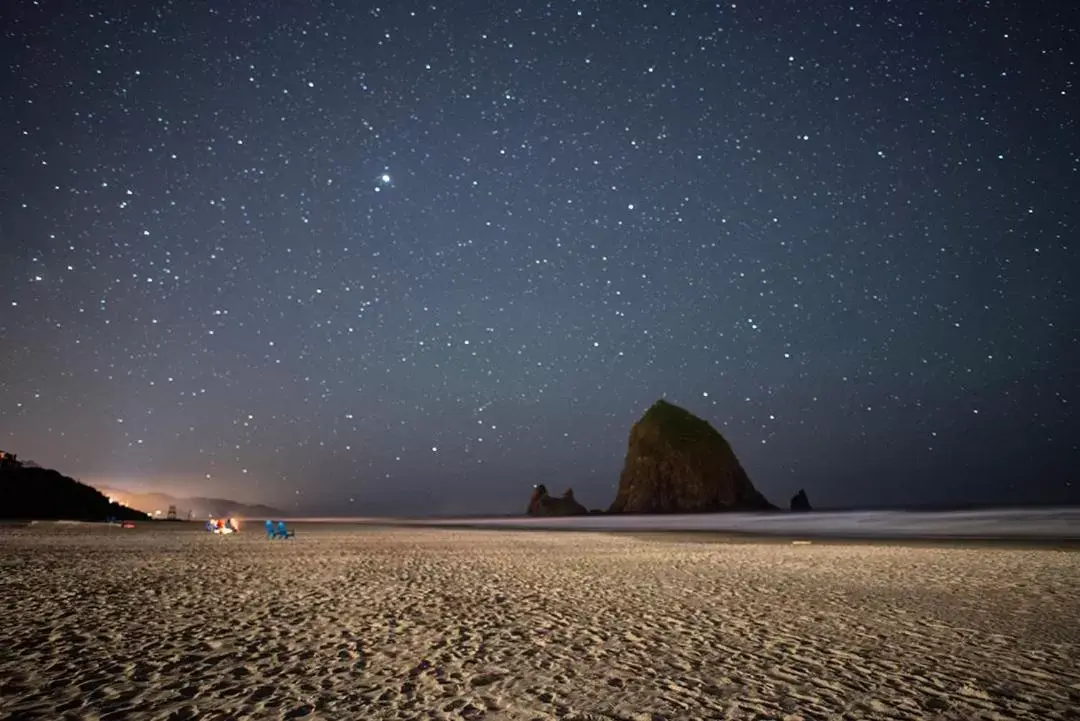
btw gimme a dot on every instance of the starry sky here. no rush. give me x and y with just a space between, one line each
405 257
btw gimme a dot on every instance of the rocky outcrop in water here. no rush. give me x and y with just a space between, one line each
543 504
678 463
799 502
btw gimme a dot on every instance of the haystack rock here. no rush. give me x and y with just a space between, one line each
678 463
542 504
799 502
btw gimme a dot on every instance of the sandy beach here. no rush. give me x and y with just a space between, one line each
168 622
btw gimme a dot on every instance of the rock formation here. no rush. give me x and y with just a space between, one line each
799 502
30 492
678 463
542 504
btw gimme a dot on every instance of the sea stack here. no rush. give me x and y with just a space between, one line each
542 504
678 463
799 502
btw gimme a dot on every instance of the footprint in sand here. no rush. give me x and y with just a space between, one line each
300 711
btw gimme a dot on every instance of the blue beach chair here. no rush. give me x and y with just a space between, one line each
283 532
270 530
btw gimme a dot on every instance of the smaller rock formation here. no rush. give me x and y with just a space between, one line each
799 502
543 504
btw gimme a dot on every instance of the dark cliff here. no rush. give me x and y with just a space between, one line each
44 494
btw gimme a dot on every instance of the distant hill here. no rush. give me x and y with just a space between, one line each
200 508
34 493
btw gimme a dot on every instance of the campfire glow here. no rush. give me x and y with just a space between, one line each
223 526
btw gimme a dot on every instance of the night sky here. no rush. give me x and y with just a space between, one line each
415 257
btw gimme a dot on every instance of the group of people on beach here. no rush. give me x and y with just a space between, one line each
221 526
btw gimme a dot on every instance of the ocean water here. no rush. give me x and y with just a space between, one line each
1004 524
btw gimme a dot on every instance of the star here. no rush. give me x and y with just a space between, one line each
638 206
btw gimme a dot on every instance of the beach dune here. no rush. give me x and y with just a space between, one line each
353 622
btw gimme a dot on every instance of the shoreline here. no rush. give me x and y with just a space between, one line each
1062 543
952 542
751 538
885 538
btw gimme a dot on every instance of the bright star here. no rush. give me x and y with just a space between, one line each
385 178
